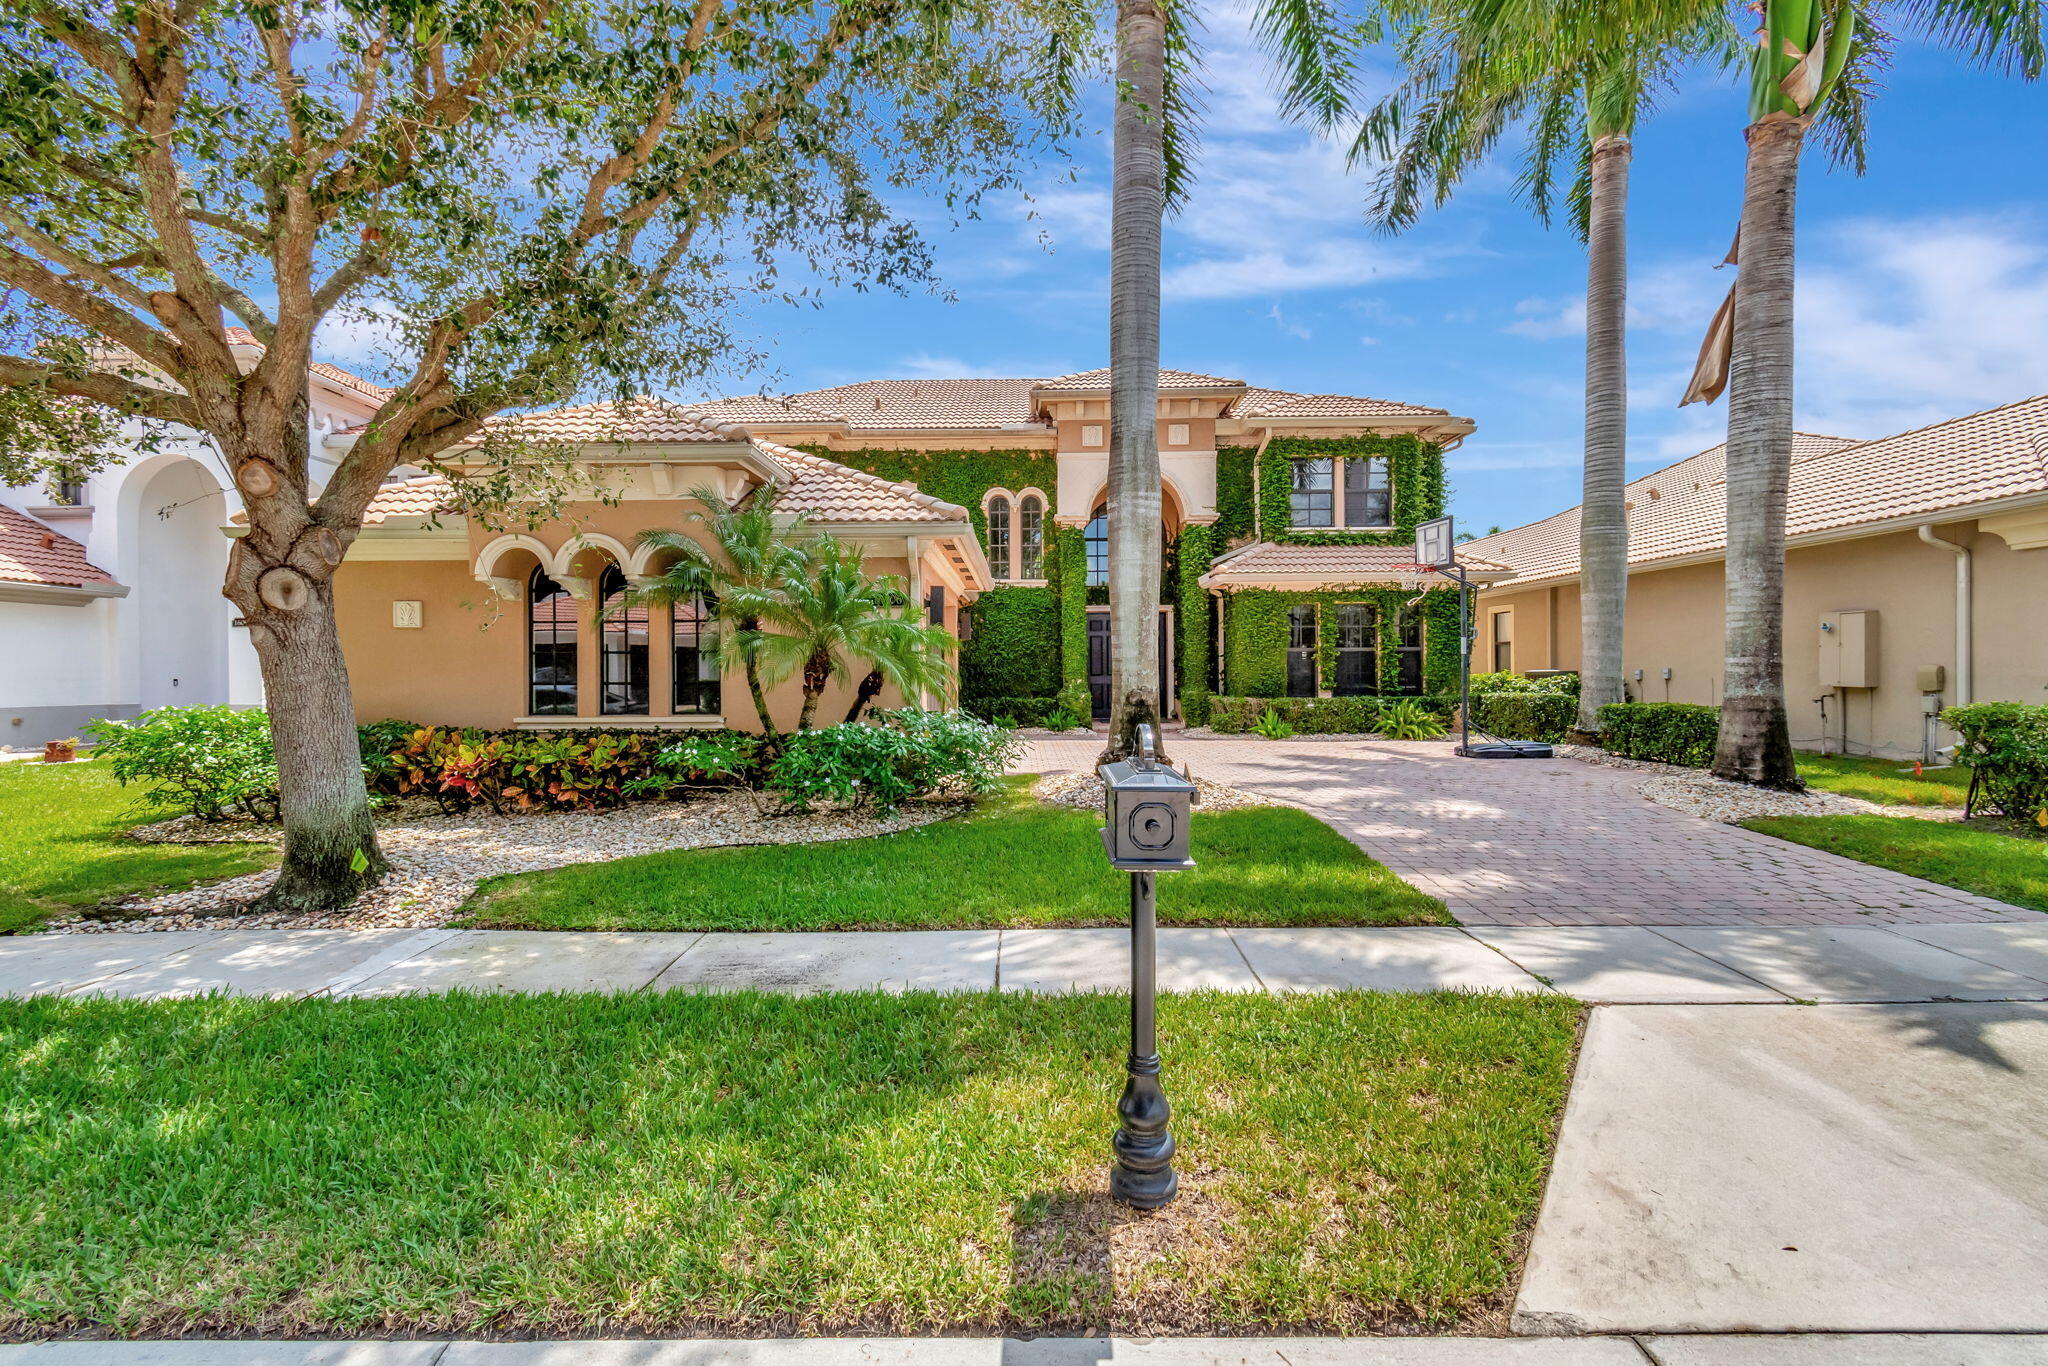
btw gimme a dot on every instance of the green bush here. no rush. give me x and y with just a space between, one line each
1408 719
720 758
1019 711
1667 732
1316 715
903 754
211 761
376 742
522 770
1271 725
2005 744
1524 715
1194 706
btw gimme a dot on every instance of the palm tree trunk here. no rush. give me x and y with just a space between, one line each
1137 213
1755 744
1603 519
870 686
754 682
817 673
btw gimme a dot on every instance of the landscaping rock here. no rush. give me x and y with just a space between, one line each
1084 790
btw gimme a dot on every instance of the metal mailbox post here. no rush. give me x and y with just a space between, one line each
1146 810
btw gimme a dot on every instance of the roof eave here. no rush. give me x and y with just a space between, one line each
59 594
1303 579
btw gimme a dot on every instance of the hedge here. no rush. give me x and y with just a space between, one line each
1024 711
2005 745
1524 715
1667 732
1315 715
1010 651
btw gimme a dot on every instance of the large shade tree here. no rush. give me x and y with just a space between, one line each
533 198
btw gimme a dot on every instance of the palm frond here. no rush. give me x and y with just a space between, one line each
1181 94
1315 51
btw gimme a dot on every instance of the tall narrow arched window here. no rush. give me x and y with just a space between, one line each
999 535
551 624
696 657
1030 537
622 649
1095 539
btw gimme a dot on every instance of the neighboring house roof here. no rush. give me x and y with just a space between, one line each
425 496
961 404
1280 403
763 409
644 420
33 553
1168 379
1284 562
827 491
242 336
1838 486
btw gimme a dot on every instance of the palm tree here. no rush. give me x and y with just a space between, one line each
739 569
828 612
1812 63
1562 70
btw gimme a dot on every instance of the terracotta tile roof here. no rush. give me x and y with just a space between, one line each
757 408
1837 484
348 381
1280 403
31 552
644 421
960 404
1336 564
424 496
831 492
1168 379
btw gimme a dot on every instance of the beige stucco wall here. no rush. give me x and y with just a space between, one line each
1675 622
465 665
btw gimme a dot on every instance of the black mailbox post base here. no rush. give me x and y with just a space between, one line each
1143 1176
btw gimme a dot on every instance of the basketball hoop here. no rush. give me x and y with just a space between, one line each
1434 545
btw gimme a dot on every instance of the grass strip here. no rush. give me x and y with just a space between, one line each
1889 782
1990 863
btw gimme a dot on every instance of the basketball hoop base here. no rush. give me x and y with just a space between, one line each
1504 749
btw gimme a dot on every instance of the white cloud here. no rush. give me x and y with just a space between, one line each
1548 319
924 365
367 335
1288 325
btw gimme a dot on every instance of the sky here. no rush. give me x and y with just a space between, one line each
1923 284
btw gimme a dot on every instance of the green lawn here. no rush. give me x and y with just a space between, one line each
1977 859
1888 781
62 850
759 1164
1015 862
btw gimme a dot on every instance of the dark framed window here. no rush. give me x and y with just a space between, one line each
66 492
1367 499
695 691
1311 501
1410 652
1503 641
999 536
1095 537
622 649
1357 650
553 619
1030 537
1301 650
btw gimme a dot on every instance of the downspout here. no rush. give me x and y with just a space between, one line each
1258 504
1964 614
1222 614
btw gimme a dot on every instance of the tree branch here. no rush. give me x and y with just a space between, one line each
99 386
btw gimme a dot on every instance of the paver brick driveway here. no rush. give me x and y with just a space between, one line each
1553 842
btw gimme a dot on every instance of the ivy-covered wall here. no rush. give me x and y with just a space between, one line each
1255 638
962 477
1255 501
1069 574
1008 653
1192 620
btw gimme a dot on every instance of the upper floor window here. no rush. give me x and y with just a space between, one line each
1312 501
998 511
552 619
1031 537
1368 502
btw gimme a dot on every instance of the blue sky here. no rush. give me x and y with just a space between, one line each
1923 284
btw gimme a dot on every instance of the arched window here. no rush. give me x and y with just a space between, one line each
999 535
696 647
1031 537
551 623
1095 536
622 649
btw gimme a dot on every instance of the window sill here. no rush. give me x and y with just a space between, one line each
692 722
1020 583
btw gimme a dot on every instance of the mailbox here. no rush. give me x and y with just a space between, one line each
1146 809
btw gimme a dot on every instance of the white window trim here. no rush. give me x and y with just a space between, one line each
1337 510
1015 562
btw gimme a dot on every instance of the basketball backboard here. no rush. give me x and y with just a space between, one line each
1433 544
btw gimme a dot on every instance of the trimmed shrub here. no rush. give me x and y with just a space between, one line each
1667 732
1510 681
1315 715
2005 745
522 770
904 754
1018 711
211 761
1194 706
1524 715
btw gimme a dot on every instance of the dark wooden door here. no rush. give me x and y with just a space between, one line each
1098 664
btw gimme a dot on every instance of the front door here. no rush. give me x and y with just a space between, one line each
1098 662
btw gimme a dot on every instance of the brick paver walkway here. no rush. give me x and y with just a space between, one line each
1554 842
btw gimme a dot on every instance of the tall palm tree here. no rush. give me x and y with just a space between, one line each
740 568
1812 64
1153 134
1578 84
828 613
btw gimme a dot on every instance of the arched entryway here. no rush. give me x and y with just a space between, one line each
181 556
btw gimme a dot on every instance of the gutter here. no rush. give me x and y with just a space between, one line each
1964 615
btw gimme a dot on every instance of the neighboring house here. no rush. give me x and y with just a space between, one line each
1286 538
1922 551
110 586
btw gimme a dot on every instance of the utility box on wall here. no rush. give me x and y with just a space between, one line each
1848 649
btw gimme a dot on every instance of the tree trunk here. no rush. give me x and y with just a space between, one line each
330 842
1755 744
817 673
870 687
1137 212
1603 519
754 684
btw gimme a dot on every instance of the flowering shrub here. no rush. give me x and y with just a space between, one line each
902 754
721 759
211 761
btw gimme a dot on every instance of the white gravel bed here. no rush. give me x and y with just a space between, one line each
1699 793
1084 790
437 860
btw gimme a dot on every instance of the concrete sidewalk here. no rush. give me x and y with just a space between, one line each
1598 964
1735 1350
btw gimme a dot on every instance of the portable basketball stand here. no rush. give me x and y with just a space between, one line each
1437 553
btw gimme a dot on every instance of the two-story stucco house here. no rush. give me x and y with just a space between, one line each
1286 535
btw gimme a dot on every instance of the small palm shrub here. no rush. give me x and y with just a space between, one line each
1271 725
214 762
1408 719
